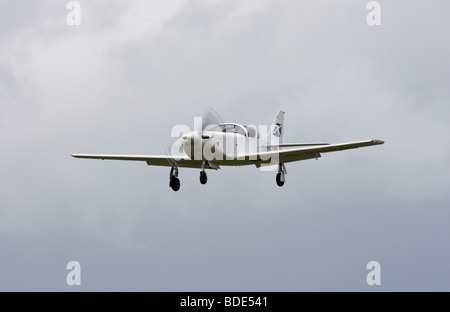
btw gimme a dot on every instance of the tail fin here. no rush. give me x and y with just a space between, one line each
273 139
275 135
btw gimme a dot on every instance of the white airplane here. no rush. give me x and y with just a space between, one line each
218 144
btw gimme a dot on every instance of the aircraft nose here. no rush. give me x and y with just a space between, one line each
191 136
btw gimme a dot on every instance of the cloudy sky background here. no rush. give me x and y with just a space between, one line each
119 83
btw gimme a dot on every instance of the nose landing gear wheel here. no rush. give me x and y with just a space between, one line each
280 178
203 177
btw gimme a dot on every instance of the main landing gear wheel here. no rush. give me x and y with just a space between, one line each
279 181
174 183
281 174
203 177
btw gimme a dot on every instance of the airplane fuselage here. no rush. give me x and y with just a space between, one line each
218 146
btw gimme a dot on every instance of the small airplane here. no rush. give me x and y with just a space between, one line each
213 144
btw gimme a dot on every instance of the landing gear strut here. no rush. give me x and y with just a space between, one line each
281 175
174 181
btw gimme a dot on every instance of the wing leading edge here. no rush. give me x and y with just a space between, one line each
151 160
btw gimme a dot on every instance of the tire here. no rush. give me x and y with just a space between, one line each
175 184
279 182
203 177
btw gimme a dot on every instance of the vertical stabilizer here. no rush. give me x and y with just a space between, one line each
275 135
272 140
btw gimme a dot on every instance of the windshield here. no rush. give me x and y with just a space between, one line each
230 128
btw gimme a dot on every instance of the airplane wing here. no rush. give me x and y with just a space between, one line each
151 160
289 155
306 152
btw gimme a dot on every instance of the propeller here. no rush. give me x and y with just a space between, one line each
210 119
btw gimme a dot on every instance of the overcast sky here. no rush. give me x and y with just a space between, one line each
132 70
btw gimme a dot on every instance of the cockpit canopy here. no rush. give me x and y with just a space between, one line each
248 131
